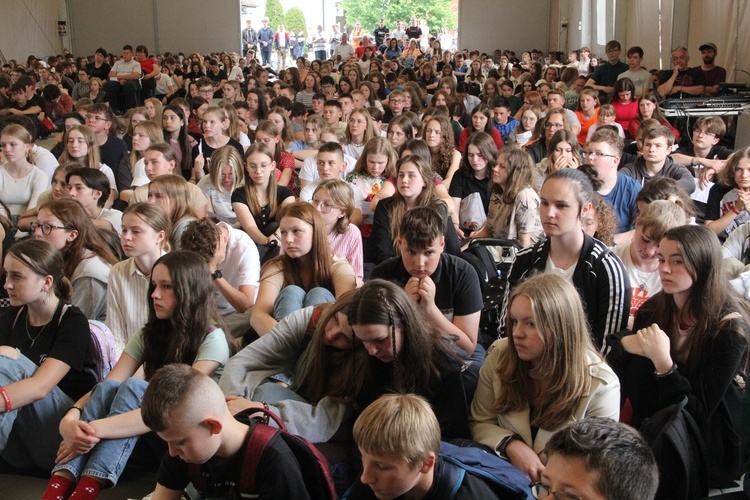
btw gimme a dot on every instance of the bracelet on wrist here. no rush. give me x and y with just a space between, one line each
76 407
265 418
6 399
505 442
668 372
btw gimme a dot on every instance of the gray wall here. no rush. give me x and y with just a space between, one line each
486 25
161 25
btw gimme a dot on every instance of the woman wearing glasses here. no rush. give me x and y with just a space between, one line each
307 273
334 199
257 202
45 360
88 260
539 144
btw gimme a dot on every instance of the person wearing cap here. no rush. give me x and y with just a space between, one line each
713 74
682 81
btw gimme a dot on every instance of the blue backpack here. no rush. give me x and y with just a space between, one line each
503 478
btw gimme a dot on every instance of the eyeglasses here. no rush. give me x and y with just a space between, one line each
704 133
47 228
92 118
397 100
206 91
543 492
322 206
553 125
594 154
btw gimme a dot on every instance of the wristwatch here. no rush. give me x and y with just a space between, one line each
216 275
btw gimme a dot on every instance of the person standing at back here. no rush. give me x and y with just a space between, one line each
249 38
265 39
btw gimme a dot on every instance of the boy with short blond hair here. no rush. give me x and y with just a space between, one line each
399 438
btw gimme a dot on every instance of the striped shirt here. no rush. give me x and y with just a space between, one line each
349 247
127 302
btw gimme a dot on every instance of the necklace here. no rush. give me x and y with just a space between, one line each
642 286
33 340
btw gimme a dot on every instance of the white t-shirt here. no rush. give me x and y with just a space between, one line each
309 170
644 285
45 161
550 267
114 217
240 267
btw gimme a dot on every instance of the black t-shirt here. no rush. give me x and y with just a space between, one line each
457 288
686 78
66 339
217 78
718 152
463 185
112 152
278 474
606 74
264 218
101 72
380 34
207 150
414 32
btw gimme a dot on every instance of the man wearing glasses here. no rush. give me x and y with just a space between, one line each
605 75
205 88
682 80
112 149
123 86
603 152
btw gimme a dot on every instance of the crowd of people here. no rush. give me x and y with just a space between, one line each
290 239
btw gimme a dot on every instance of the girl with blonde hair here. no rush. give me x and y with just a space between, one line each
132 170
21 183
172 194
225 174
545 375
81 145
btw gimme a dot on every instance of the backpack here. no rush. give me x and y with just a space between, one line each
103 347
102 344
503 478
491 258
677 443
315 471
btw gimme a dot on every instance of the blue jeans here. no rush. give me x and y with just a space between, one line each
108 458
293 298
265 54
271 392
320 54
29 435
